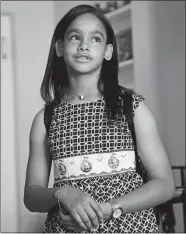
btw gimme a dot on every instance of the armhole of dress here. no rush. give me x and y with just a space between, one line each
136 100
47 118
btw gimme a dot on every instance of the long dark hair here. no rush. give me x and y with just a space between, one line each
56 77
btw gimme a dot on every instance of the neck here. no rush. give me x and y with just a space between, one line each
84 84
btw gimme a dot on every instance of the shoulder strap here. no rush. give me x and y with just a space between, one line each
48 117
128 105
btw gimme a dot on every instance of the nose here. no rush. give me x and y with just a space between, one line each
83 46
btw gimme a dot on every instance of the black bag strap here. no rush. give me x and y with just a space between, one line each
128 105
48 117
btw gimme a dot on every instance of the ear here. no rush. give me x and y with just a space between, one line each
108 52
59 48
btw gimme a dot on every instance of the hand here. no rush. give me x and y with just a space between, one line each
107 210
70 223
81 207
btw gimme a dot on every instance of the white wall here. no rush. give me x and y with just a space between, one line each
170 44
33 26
145 54
170 34
8 155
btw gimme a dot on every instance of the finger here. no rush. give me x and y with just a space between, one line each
97 208
78 219
84 217
76 229
66 218
74 226
71 224
68 221
92 216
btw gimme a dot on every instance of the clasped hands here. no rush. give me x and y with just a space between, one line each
84 213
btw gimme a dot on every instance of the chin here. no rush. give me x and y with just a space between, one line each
85 69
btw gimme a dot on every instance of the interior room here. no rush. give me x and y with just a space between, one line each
151 61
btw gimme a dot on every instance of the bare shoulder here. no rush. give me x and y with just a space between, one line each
39 116
144 119
38 130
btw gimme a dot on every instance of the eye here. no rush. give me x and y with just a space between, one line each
74 37
96 39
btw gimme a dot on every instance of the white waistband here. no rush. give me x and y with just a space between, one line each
92 165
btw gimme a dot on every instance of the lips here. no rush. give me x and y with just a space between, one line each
82 57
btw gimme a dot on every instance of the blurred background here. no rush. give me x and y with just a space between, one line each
151 42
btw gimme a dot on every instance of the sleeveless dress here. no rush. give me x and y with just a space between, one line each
98 159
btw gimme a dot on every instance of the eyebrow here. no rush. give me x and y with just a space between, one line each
98 32
79 31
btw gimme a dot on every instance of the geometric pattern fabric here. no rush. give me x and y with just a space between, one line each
81 129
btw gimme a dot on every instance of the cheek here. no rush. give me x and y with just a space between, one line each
70 47
70 50
100 51
99 47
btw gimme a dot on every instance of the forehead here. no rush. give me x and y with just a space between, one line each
87 22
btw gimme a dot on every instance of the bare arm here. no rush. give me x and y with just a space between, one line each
160 186
37 197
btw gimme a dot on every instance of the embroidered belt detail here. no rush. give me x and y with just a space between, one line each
92 165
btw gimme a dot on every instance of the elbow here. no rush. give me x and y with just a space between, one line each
28 207
172 190
28 204
28 201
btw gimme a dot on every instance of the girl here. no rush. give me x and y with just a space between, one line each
85 129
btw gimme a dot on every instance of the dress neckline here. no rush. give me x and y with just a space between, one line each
83 103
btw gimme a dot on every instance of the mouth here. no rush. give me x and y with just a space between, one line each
82 58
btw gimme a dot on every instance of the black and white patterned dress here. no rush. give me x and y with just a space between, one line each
98 159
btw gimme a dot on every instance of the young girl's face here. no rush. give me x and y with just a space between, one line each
84 45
